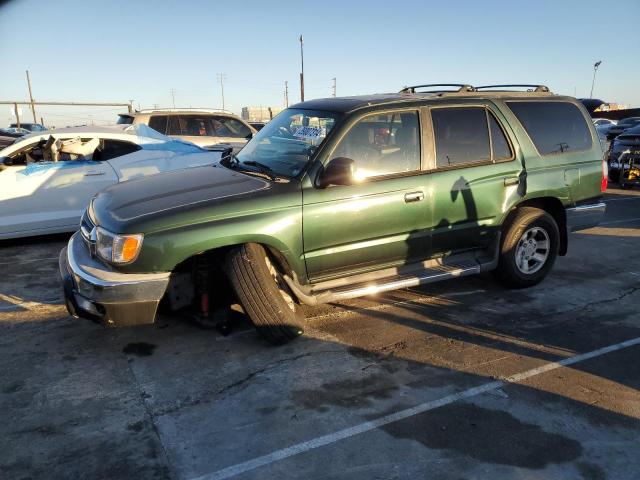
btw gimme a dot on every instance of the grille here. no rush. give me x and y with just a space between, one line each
86 227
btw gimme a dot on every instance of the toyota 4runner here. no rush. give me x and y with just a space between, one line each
345 197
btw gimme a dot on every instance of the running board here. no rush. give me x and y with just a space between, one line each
344 290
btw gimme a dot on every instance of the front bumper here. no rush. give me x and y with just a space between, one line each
101 294
585 216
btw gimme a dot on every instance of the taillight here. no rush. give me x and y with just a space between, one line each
605 176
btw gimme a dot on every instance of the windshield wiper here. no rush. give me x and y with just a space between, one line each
261 166
265 169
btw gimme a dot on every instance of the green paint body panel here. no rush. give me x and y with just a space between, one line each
325 233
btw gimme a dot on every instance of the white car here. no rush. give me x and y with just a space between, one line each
48 178
598 122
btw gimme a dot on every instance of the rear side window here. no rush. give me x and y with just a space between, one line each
229 127
114 149
461 135
158 123
554 127
125 120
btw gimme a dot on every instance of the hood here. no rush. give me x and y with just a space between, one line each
138 201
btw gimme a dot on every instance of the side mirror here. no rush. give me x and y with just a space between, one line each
6 161
339 171
250 136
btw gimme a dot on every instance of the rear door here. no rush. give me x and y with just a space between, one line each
476 177
380 220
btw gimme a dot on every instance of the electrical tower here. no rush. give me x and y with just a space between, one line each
333 87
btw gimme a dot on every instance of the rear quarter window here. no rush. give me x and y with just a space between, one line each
158 123
554 127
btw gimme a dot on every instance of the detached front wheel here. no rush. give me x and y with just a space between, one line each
264 294
529 248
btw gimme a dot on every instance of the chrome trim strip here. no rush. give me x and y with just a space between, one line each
594 206
372 289
585 216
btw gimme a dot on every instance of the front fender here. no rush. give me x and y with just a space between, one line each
280 229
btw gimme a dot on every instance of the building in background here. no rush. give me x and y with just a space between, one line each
259 114
609 107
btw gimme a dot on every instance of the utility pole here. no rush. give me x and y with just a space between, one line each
33 107
301 69
221 77
595 69
334 86
173 96
155 106
286 94
15 106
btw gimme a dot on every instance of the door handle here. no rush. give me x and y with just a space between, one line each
93 173
511 181
413 197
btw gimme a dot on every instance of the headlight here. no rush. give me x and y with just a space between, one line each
119 249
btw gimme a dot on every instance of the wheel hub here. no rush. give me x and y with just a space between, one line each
532 250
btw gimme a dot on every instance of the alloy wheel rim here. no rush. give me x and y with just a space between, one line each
532 250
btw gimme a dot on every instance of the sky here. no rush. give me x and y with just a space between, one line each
117 50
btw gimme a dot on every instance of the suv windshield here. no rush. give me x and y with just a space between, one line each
287 142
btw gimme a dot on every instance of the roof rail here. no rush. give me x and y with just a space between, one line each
186 109
530 88
461 87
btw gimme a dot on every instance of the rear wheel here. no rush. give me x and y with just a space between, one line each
264 294
529 248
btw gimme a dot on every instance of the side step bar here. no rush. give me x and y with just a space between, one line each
362 290
385 280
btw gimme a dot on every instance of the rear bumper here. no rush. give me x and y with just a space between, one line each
585 216
98 293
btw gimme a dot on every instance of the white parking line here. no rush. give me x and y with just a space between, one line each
334 437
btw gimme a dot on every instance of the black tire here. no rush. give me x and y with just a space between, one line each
614 176
262 295
526 220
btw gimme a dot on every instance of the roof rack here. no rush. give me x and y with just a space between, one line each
186 109
461 87
530 88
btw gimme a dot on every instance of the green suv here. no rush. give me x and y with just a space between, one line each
344 197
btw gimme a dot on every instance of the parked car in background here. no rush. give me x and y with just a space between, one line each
200 126
9 135
604 121
258 125
47 179
32 127
629 142
338 198
621 126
